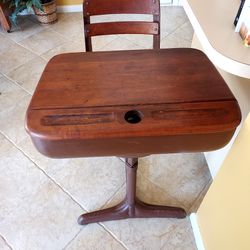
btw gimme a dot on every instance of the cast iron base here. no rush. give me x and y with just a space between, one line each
131 206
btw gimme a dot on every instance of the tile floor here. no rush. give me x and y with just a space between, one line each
41 198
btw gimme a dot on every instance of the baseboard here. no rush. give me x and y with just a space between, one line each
78 8
69 8
197 233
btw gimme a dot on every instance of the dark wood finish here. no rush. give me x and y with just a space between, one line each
100 7
131 206
80 102
5 12
97 29
131 103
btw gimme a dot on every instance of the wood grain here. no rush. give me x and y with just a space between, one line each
80 104
100 7
5 12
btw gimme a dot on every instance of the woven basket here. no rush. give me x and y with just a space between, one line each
48 16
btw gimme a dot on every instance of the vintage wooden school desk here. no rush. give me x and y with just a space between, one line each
131 104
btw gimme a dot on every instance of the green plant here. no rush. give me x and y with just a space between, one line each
20 5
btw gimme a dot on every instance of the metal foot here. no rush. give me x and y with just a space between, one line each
131 207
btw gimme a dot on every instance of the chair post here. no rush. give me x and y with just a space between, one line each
86 21
157 38
131 165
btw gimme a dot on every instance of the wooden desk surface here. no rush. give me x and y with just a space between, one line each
82 98
126 78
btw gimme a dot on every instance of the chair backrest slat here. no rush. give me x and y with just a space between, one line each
103 7
97 29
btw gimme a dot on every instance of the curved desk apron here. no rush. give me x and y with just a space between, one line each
131 104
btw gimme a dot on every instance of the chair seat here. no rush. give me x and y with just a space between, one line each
131 103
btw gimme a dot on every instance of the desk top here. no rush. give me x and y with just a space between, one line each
128 78
130 94
213 24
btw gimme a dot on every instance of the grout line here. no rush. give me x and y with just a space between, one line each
34 52
115 193
65 191
204 190
65 247
24 62
113 235
99 49
105 228
14 82
49 177
121 159
162 189
174 30
5 241
183 37
137 44
66 38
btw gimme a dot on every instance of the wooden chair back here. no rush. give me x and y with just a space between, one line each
102 7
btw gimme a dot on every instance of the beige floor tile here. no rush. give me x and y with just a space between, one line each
66 47
180 238
12 121
99 42
78 37
172 41
1 30
19 178
120 17
171 19
185 32
118 196
13 57
88 180
189 171
5 42
147 192
28 74
11 94
24 29
48 165
150 193
120 44
73 16
152 234
43 41
91 181
3 244
47 220
145 41
95 237
196 204
68 27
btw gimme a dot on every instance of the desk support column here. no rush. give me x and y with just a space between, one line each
131 169
131 206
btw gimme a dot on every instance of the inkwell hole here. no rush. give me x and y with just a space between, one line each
133 116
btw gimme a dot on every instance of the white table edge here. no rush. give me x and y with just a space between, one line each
221 61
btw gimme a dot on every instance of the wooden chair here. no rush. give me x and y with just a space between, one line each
102 7
5 12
